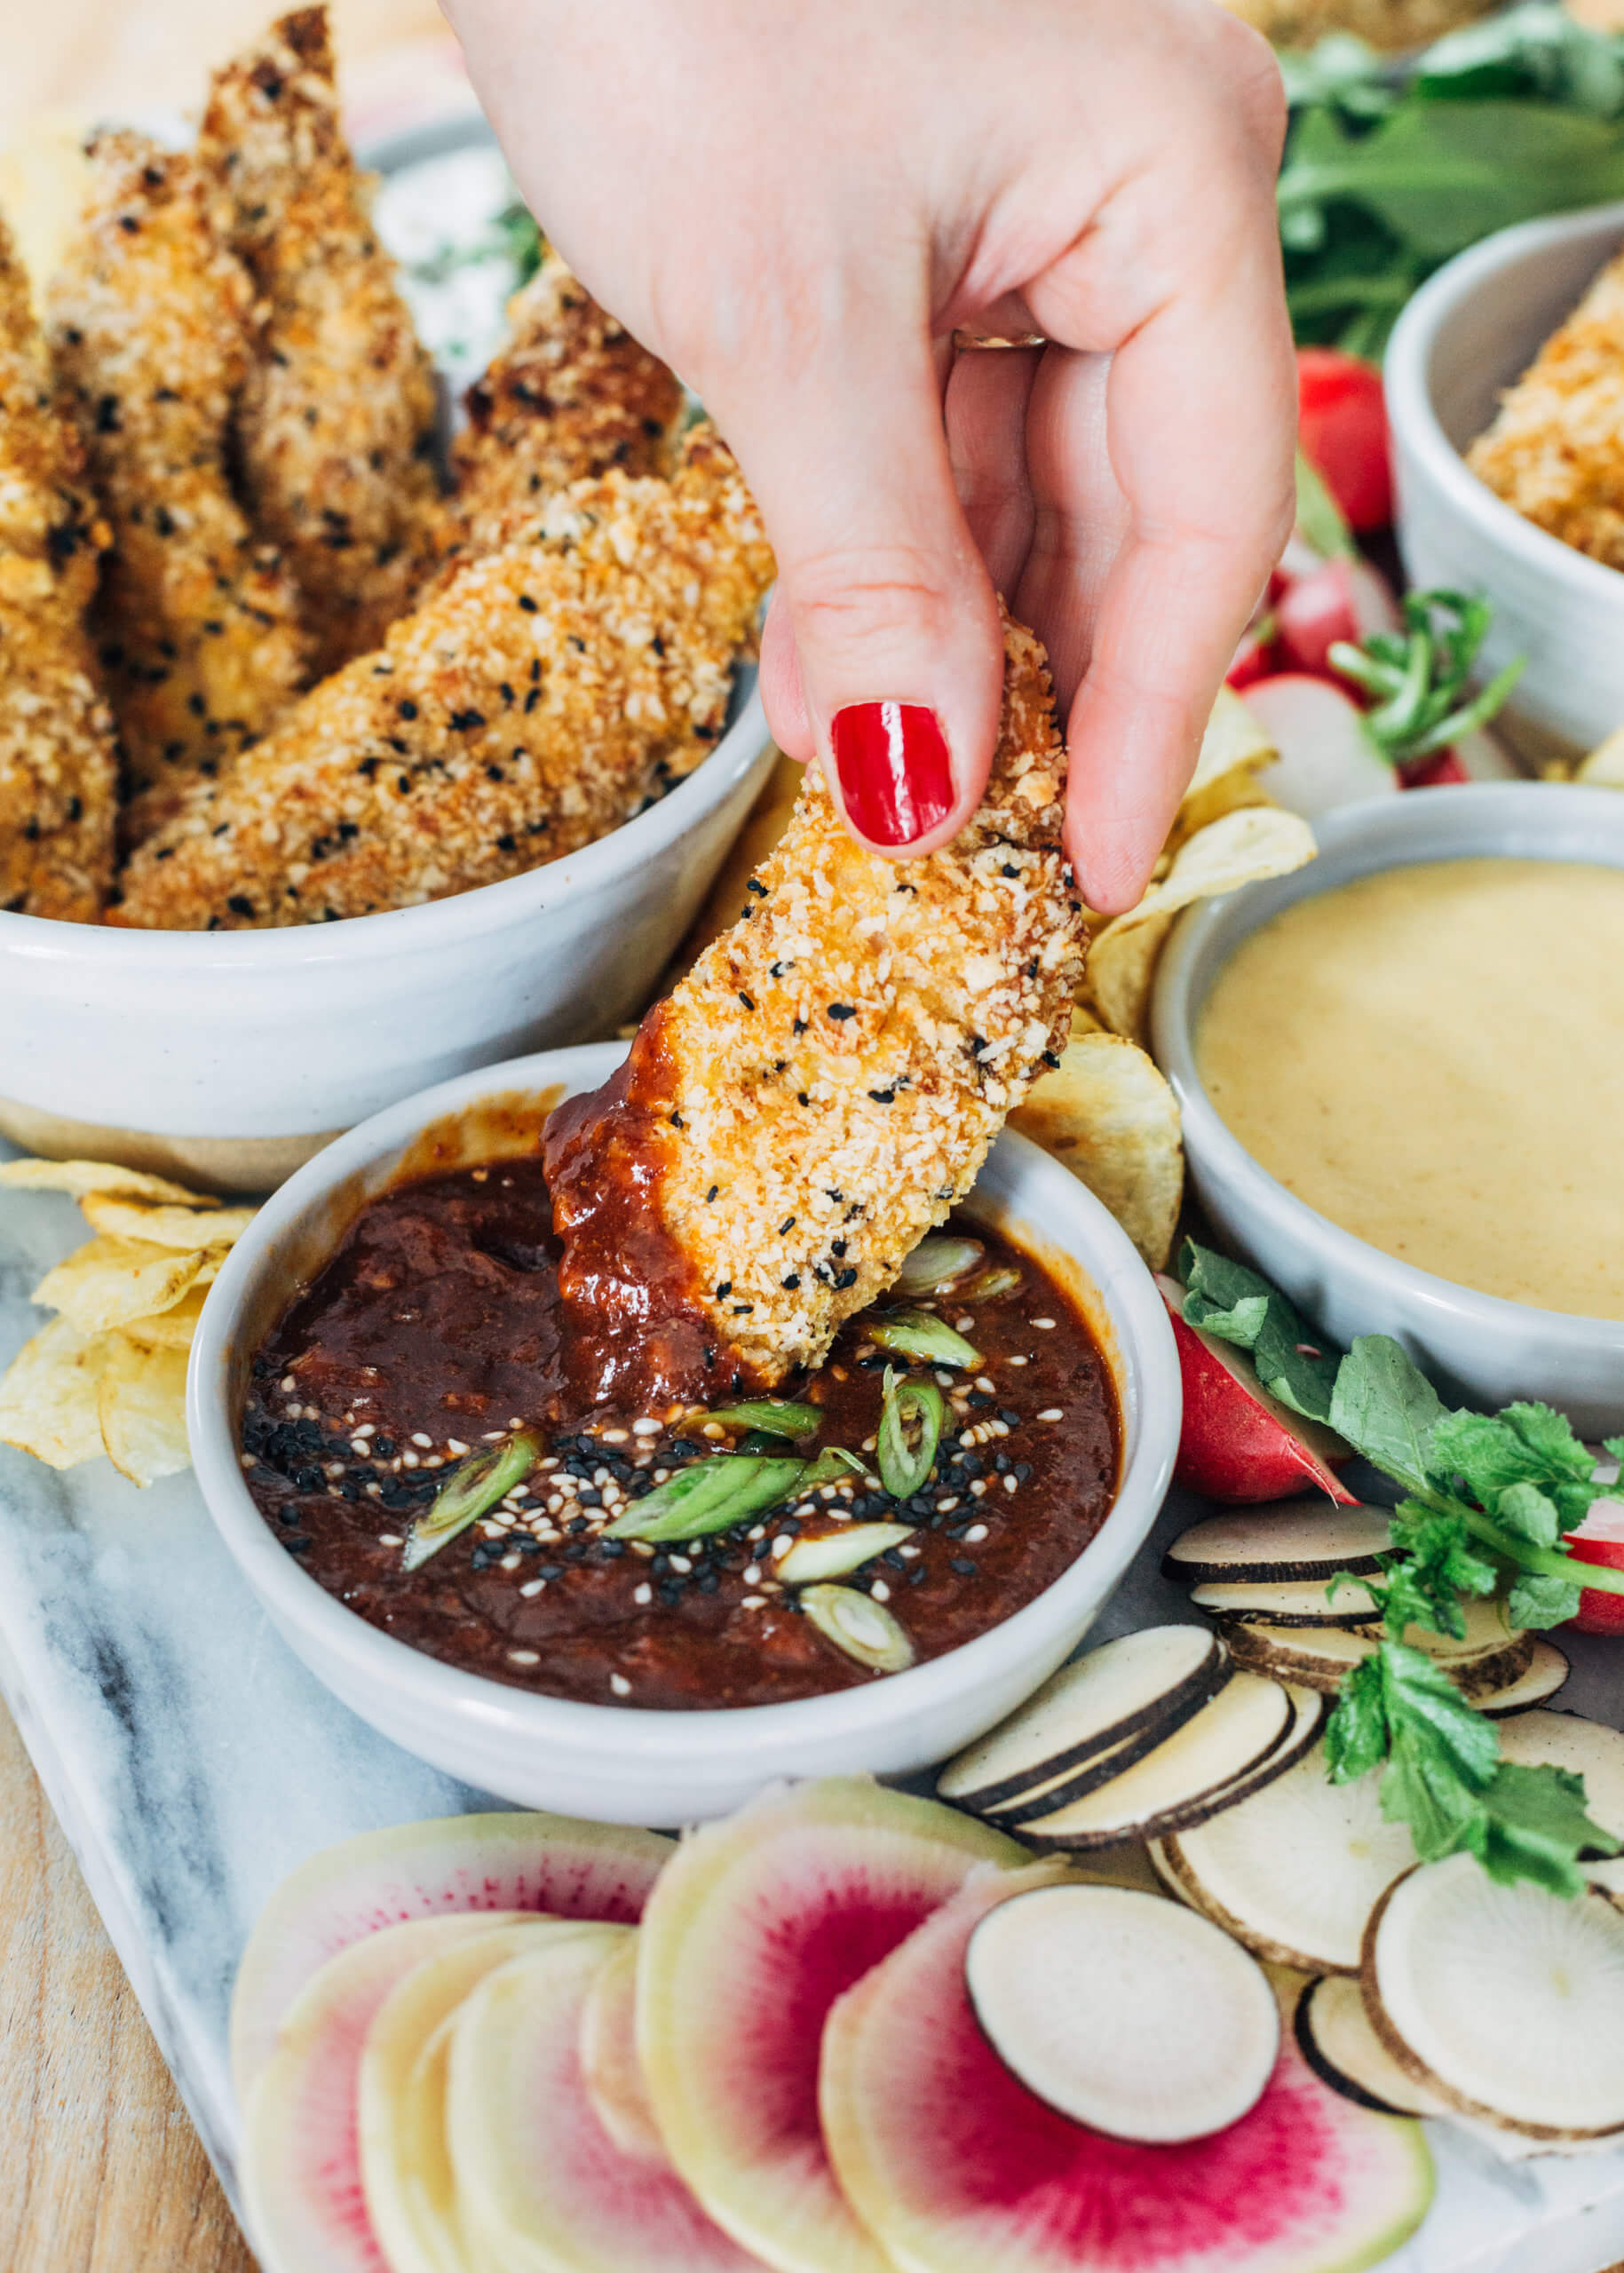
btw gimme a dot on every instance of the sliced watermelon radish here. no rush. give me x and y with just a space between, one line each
958 2168
754 1930
1239 1443
610 2067
541 2183
301 2153
1325 758
1600 1539
425 1870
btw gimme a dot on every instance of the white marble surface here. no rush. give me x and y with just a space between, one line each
193 1762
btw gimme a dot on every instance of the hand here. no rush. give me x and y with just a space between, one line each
799 202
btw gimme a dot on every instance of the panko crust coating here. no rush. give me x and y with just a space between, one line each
1556 451
197 623
525 709
57 765
824 1083
336 418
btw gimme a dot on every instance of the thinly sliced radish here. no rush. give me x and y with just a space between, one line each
610 2067
754 1930
1146 1682
1325 759
1287 1602
1507 2002
1238 1442
301 2151
1123 2011
1600 1539
1296 1871
1239 1727
1313 614
1548 1669
958 2168
405 2156
542 2186
425 1870
1323 1656
1334 2036
1306 1539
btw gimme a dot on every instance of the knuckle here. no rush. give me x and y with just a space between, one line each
864 591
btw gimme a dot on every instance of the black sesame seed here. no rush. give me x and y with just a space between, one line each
962 1564
725 1287
757 887
792 1282
787 1225
239 904
526 602
842 1010
745 999
711 1194
883 1097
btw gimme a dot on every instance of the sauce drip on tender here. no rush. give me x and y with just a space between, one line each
1434 1058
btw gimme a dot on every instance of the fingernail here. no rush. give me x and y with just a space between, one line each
895 775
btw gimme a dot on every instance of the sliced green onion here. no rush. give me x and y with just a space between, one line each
915 1409
710 1494
999 1281
834 1553
859 1625
940 1260
833 1465
767 1441
473 1488
917 1333
769 1412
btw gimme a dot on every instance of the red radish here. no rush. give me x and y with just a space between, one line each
1314 612
1326 757
423 1870
1600 1539
1256 658
1240 1442
755 1929
958 2168
1342 421
1442 771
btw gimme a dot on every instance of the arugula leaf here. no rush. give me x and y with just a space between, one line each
1387 1409
1524 1510
1538 1599
1224 1298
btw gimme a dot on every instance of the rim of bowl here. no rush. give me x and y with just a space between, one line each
1206 1133
1148 1378
1413 416
393 931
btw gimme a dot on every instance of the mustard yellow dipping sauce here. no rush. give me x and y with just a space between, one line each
1434 1058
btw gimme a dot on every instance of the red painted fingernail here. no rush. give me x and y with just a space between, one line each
895 775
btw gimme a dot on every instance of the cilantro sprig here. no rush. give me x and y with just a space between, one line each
1488 1500
1418 680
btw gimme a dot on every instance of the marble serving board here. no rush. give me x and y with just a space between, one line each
193 1762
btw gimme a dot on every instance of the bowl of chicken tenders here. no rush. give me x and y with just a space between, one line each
335 755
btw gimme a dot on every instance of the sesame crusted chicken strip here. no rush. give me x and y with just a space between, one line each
1555 452
196 624
824 1084
58 767
336 421
523 711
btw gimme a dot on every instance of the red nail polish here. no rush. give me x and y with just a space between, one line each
895 774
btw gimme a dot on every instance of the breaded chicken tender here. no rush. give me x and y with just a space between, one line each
524 711
58 766
1384 23
570 396
824 1084
197 623
336 424
1555 452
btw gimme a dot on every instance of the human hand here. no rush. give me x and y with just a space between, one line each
799 202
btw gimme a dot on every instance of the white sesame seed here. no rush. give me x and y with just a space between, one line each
1051 1412
358 1445
880 1590
962 1324
713 1428
495 1437
978 1487
645 1427
782 1544
389 1538
756 1530
455 1447
407 1460
1015 1361
524 1656
910 1551
619 1684
752 1574
752 1602
946 1506
615 1435
997 1427
510 1562
287 1384
870 1444
514 1421
542 1465
520 1491
645 1548
375 1490
421 1437
1011 1483
532 1587
247 1460
643 1594
600 1477
681 1562
986 1386
663 1475
433 1459
366 1429
974 1534
944 1380
1045 1323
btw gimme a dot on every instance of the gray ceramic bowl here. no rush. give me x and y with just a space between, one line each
1478 1348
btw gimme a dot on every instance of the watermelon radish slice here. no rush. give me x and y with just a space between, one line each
425 1870
958 2168
1239 1443
542 2186
610 2067
753 1931
407 2171
301 2153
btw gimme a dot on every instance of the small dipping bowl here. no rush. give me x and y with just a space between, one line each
1479 1348
629 1765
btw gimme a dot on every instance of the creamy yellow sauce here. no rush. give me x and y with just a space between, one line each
1434 1058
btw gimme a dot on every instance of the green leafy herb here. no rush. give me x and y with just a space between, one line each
911 1416
769 1412
1224 1298
1419 677
473 1488
711 1496
920 1334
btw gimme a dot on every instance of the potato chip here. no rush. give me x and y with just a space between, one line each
165 1227
141 1405
1242 848
81 1177
171 1329
1109 1116
1234 742
1603 769
48 1396
108 1281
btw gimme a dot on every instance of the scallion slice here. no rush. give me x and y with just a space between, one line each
832 1553
860 1627
1000 1279
833 1465
910 1429
939 1259
473 1488
773 1413
709 1495
919 1334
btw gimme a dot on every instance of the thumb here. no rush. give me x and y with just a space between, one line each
884 657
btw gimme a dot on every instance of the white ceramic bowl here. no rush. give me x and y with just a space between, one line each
1477 1347
1462 341
631 1766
